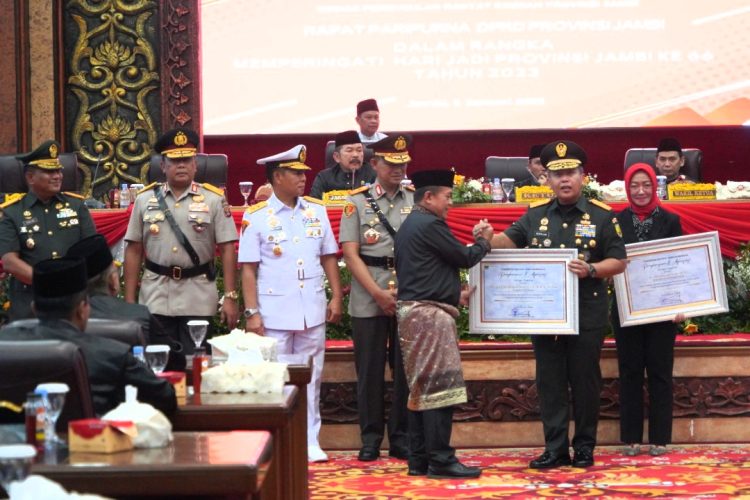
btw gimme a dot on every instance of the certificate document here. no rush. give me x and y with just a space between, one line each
525 292
669 276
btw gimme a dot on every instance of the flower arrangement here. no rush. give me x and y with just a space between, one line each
591 187
469 191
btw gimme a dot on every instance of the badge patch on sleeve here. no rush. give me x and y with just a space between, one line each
349 209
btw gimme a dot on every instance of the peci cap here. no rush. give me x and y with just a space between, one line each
427 178
95 252
669 144
348 137
46 156
293 158
54 278
367 105
562 155
177 143
393 149
536 151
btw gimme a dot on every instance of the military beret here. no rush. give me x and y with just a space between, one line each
95 251
55 278
177 143
561 155
46 156
427 178
292 158
669 144
367 105
393 149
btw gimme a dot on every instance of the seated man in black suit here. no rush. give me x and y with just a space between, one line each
61 303
536 169
669 161
103 287
350 171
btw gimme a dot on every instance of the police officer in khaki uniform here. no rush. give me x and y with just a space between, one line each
571 221
40 224
178 280
369 222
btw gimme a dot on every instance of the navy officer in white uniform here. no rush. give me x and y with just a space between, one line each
287 249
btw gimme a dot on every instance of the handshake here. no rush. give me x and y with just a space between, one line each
483 229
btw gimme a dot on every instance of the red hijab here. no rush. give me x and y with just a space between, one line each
644 211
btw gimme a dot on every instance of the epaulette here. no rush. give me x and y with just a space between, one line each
213 188
314 200
146 188
601 204
254 208
12 198
74 195
410 187
360 189
540 203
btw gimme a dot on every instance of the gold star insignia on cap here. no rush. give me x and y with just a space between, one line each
561 149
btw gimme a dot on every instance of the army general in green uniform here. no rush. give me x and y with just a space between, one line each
41 224
368 226
571 221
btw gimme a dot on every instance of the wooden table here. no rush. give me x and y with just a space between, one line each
196 464
282 415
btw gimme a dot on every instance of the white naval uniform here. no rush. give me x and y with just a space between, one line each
288 243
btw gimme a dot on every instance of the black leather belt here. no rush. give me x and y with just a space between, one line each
177 272
384 262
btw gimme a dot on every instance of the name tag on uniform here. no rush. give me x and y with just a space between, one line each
314 232
406 210
585 230
198 207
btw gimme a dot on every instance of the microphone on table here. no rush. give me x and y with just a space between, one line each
92 202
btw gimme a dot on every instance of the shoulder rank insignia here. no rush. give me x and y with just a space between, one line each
74 195
146 188
314 200
540 203
213 188
361 189
254 208
12 198
601 204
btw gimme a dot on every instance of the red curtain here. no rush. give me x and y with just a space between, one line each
731 219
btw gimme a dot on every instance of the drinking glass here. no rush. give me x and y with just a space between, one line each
507 184
198 329
157 356
53 405
246 187
15 463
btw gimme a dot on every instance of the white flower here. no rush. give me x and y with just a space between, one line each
475 185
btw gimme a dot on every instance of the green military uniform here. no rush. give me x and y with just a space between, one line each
37 230
591 228
375 334
201 214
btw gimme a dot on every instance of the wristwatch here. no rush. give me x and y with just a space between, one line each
592 271
234 295
250 311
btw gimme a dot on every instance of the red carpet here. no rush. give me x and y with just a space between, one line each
688 471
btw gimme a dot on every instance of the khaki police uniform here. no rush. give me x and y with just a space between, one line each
375 334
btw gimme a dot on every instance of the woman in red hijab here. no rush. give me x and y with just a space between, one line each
650 347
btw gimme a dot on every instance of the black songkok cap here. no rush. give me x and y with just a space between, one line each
536 151
348 137
54 278
562 155
367 105
95 251
669 144
427 178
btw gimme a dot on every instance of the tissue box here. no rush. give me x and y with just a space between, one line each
98 436
239 340
177 379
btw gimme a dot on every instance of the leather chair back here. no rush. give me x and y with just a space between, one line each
27 363
12 179
692 167
507 166
211 168
331 146
126 331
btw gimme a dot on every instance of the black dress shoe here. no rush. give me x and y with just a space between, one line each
399 453
548 461
456 470
583 457
368 454
417 470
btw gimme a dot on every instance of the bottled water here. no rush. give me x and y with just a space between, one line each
497 191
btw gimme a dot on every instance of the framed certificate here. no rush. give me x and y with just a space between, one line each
526 292
669 276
